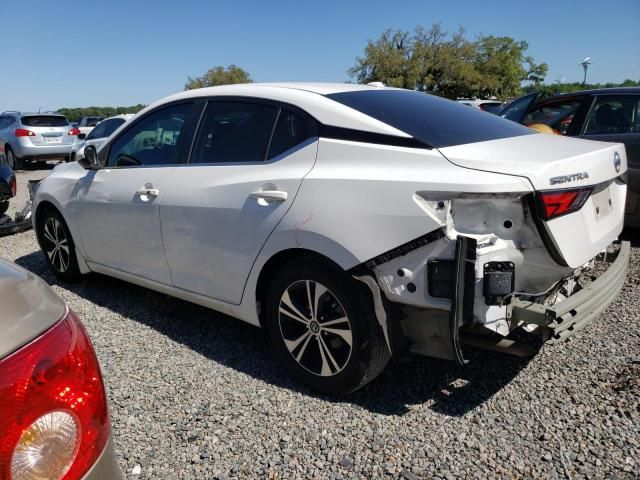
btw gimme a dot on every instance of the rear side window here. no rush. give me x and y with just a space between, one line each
234 132
290 131
44 121
614 114
432 120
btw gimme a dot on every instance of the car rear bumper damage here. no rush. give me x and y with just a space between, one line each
442 329
575 312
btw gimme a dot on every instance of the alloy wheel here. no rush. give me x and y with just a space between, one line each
56 244
315 328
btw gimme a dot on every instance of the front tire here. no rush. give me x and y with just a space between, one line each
323 327
57 244
14 162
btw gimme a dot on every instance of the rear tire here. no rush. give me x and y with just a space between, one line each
14 162
57 245
323 327
4 206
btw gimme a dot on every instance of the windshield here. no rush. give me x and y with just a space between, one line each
433 120
44 121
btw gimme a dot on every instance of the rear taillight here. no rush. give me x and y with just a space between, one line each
560 202
74 131
13 186
54 421
23 132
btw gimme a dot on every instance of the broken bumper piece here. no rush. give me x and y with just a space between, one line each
575 312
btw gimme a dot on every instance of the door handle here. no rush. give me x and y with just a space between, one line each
270 196
149 192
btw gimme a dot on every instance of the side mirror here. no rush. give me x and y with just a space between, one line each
90 160
82 136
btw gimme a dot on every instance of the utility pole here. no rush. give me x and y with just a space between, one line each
586 63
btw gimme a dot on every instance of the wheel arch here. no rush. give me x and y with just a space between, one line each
271 267
50 204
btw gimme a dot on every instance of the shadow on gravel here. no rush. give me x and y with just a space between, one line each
408 380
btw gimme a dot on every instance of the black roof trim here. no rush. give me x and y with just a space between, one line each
340 133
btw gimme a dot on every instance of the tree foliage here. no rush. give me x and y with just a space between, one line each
75 114
450 65
219 76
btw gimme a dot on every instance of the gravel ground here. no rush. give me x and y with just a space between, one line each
195 394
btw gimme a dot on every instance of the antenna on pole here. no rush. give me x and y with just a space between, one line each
586 63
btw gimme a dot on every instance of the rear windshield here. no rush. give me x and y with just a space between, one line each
44 121
433 120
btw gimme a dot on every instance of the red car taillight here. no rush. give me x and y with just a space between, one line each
560 202
74 131
13 186
54 421
23 132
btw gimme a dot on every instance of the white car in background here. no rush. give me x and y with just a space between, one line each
86 124
98 135
347 220
487 105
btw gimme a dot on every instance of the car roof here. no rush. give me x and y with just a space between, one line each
32 114
310 97
594 91
126 116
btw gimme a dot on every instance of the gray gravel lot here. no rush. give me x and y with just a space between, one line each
195 394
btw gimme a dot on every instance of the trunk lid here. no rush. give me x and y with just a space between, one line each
550 163
48 129
29 307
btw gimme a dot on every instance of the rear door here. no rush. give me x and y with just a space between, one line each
246 165
616 118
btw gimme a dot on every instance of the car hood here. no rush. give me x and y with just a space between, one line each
29 307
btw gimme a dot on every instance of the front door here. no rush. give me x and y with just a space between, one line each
119 205
246 166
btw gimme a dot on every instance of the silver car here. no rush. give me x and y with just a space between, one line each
35 136
55 420
98 135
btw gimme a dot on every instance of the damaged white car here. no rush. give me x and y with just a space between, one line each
350 221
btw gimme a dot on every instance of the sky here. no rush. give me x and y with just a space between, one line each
118 53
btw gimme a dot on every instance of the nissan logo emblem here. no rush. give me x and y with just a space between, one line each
617 162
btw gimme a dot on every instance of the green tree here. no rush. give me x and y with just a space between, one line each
75 114
390 59
434 61
503 66
219 76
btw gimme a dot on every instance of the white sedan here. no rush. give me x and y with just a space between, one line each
98 135
350 221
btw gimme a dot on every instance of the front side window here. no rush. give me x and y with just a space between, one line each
153 140
106 128
291 130
557 115
234 132
613 114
